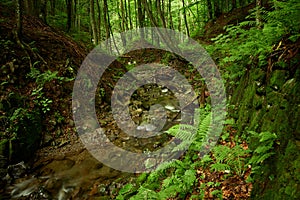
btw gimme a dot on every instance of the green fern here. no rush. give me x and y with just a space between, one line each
233 159
218 167
264 149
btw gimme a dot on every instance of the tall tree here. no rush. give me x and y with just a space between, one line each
160 13
217 9
171 25
185 19
52 7
99 21
258 14
69 14
19 16
93 22
141 15
129 15
209 9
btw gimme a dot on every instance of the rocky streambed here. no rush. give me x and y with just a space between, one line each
66 169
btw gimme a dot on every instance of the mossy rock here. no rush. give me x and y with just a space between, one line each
256 120
277 79
258 101
258 75
274 98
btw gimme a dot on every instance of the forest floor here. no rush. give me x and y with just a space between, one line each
61 148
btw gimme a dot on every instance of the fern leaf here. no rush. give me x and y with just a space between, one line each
219 167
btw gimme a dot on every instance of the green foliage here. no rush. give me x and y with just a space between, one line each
263 150
175 178
245 45
217 193
233 159
45 77
41 79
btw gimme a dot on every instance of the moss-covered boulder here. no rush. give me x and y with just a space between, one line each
271 102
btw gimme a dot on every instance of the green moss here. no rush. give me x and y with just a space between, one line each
258 101
258 75
278 78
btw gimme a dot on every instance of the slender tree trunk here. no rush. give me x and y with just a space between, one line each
93 22
126 15
149 13
52 7
19 17
209 10
160 13
136 13
258 14
185 19
129 16
141 16
123 19
99 22
74 13
171 25
69 14
44 11
179 21
217 8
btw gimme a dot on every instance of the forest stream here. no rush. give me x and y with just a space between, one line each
68 170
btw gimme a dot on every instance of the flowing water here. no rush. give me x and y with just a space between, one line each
68 171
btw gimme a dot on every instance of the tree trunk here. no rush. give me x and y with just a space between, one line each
171 25
141 16
19 16
217 8
99 22
52 7
185 19
123 19
129 15
69 15
160 13
258 14
209 10
44 11
93 22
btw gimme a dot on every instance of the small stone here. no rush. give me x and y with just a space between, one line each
165 90
170 107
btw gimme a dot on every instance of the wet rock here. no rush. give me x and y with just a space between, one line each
24 188
18 170
65 192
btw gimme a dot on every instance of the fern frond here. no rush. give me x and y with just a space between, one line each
264 136
167 165
217 167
